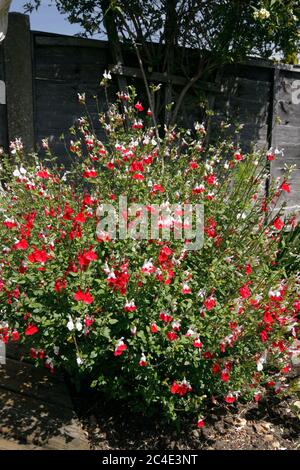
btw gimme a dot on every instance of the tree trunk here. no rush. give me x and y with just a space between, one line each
170 40
113 40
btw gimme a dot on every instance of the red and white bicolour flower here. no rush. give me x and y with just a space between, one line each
198 189
277 295
190 333
186 289
180 388
143 361
9 223
120 347
21 244
197 343
238 156
130 306
148 267
176 325
200 423
230 398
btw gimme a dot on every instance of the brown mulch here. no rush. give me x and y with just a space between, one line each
271 425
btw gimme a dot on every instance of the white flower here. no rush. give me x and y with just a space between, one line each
16 146
190 332
107 75
19 172
78 325
133 330
81 97
70 324
143 358
261 361
200 128
176 324
79 360
261 14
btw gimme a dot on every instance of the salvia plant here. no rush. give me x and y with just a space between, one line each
148 319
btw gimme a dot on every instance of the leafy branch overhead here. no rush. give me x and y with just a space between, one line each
229 29
165 32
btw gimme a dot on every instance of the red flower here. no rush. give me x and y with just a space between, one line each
84 297
210 303
15 335
43 174
38 256
285 187
278 224
200 423
86 257
224 376
215 368
80 218
245 291
139 106
229 398
138 176
68 211
257 396
263 335
136 166
31 330
60 284
156 188
154 328
21 245
164 254
180 388
33 353
165 317
90 173
210 179
171 335
248 269
285 369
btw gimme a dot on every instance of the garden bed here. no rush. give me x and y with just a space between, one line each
270 425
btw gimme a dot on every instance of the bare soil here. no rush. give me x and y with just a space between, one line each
269 425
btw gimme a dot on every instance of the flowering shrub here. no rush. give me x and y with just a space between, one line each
149 320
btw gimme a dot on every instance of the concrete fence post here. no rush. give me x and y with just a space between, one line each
19 81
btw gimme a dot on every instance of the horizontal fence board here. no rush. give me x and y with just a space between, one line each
71 41
286 134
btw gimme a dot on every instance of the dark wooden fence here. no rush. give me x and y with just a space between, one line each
44 72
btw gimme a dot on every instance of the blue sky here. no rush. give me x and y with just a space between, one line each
47 18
